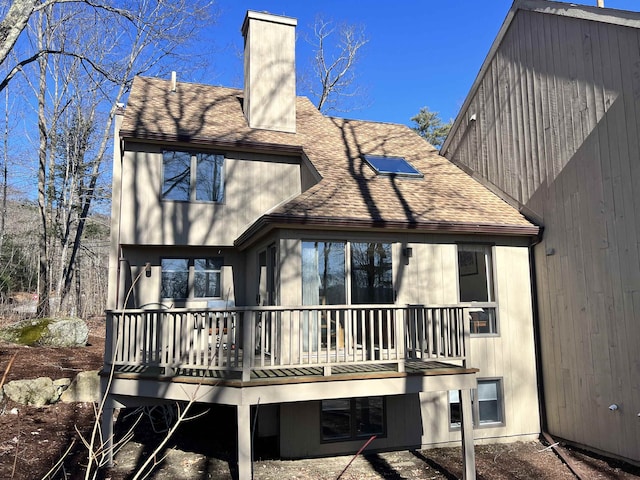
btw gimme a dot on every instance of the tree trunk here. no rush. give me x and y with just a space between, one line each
13 24
3 212
42 309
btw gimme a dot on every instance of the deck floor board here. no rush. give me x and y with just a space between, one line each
293 374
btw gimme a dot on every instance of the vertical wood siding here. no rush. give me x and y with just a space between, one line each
558 131
253 184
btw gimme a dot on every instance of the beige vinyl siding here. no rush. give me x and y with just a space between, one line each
509 356
430 277
253 184
557 132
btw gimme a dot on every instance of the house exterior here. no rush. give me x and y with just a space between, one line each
337 277
552 125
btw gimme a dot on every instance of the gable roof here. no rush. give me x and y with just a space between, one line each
349 193
561 10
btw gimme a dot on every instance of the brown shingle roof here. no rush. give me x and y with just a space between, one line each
349 193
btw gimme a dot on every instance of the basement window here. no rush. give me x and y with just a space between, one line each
486 405
352 418
396 166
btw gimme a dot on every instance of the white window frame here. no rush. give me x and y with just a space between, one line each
476 307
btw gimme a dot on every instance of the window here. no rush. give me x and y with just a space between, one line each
324 282
184 278
206 281
175 277
371 273
323 273
486 404
352 418
475 280
192 176
324 270
384 165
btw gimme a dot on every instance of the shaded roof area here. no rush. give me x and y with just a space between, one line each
349 193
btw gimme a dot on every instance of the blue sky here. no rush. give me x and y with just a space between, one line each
420 52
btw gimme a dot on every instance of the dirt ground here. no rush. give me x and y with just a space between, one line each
33 439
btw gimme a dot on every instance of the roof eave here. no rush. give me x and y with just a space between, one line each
269 222
281 148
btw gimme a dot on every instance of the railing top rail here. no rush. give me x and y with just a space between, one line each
281 308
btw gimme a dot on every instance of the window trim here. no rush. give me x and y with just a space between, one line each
191 274
353 436
475 406
491 282
193 177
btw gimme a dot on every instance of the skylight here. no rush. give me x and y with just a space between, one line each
392 166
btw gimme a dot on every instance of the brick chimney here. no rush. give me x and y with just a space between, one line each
269 71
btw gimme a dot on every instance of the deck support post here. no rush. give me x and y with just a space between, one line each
468 452
248 325
107 431
245 465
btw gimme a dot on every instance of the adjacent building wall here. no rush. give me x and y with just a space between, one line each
552 122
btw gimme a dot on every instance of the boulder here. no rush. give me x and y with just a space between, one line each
84 388
66 332
53 332
60 385
36 392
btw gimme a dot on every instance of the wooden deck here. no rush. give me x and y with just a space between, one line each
283 376
284 342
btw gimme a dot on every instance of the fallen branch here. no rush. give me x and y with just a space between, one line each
563 455
373 437
60 461
549 447
6 370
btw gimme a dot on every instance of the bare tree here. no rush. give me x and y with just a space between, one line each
337 50
87 56
5 170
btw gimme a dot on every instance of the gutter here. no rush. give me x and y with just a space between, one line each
244 145
269 222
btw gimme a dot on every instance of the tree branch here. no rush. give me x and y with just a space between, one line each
335 75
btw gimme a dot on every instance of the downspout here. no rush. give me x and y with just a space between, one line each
119 255
536 330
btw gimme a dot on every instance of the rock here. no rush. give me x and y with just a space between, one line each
63 332
36 392
67 332
61 385
84 388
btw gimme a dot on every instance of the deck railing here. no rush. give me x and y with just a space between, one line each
245 339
